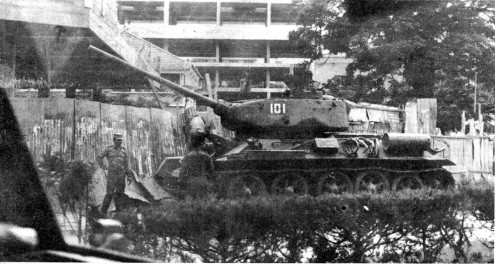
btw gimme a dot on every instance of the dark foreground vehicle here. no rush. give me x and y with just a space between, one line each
301 146
28 228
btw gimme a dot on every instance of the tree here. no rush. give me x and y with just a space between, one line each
414 48
300 81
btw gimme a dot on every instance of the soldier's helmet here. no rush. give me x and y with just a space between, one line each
117 136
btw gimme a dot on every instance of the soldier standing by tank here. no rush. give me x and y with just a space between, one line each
197 171
118 169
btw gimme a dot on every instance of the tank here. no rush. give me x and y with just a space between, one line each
301 146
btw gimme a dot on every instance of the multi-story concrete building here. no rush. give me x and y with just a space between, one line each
231 40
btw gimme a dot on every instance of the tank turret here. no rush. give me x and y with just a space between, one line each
266 118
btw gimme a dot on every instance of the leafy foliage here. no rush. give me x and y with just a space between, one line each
67 184
300 81
414 48
409 226
74 186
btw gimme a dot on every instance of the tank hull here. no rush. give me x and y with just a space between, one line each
340 163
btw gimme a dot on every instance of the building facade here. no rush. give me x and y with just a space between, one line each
329 67
242 45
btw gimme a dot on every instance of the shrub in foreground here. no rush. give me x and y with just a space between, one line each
400 227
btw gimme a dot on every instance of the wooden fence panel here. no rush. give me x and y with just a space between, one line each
138 139
112 120
411 118
81 130
488 155
87 131
162 135
473 156
467 153
476 158
58 127
179 127
30 114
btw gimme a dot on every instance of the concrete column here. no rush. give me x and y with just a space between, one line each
3 32
217 84
268 13
291 70
208 85
268 47
267 84
217 78
219 13
165 44
182 80
166 12
217 50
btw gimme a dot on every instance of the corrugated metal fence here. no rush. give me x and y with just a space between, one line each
473 156
76 129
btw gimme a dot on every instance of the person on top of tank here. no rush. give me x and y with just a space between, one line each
118 169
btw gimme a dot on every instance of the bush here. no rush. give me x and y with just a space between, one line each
409 226
66 183
74 185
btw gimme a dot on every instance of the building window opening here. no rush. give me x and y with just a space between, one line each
192 12
243 49
129 12
243 13
282 14
282 49
192 48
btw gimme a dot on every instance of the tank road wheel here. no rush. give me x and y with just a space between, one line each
334 182
292 183
440 179
372 181
246 186
407 181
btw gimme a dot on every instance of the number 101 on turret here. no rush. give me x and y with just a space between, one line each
277 108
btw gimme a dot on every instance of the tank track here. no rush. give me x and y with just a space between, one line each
338 180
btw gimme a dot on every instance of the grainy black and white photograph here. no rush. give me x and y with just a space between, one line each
265 131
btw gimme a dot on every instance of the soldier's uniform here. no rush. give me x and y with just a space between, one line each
118 168
197 171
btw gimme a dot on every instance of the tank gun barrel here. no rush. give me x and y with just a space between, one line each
182 90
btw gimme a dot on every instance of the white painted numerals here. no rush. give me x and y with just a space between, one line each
277 108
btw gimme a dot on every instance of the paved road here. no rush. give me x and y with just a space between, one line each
69 226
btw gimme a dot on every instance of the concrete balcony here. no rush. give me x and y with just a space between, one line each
200 59
283 60
79 23
252 90
243 62
65 13
212 31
